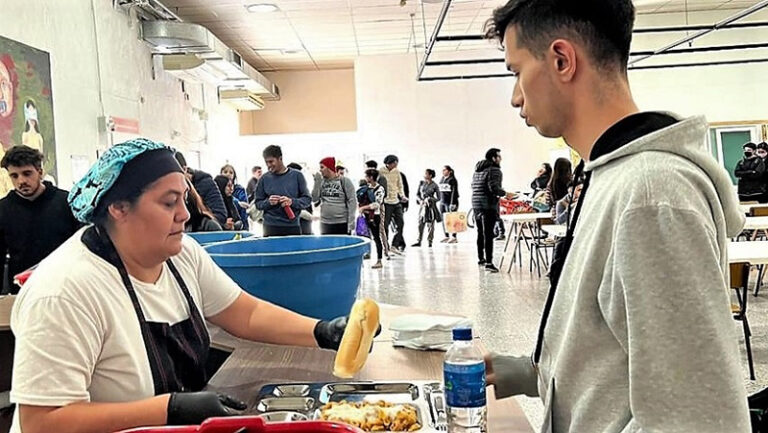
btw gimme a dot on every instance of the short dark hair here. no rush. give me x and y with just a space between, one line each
295 166
431 173
20 156
371 164
256 168
492 153
273 151
603 26
372 173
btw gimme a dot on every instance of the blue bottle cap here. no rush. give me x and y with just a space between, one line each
462 334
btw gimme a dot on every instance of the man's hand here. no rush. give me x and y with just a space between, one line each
244 204
490 376
230 225
286 201
274 199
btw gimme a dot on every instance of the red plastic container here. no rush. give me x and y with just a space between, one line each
251 424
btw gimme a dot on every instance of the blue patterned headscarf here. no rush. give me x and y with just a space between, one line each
88 191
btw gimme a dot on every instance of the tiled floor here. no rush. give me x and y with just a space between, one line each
506 308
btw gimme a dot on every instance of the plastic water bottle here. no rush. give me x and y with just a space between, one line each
464 374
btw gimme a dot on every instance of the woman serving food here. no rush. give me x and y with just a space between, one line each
110 329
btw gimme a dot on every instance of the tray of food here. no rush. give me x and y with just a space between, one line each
404 406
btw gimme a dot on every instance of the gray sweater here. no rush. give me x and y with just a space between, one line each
640 336
338 200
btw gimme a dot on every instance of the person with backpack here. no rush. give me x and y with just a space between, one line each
370 200
335 195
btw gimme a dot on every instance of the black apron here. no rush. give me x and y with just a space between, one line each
177 353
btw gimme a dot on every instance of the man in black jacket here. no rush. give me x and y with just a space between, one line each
486 190
751 172
35 217
206 188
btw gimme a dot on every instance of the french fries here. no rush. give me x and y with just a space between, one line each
381 416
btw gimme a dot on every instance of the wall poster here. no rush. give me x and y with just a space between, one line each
26 105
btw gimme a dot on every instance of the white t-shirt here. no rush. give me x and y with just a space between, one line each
77 335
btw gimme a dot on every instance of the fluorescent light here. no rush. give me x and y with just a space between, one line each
261 8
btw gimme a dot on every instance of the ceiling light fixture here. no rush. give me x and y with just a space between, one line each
261 8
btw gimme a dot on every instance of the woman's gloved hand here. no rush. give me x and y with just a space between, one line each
328 333
192 408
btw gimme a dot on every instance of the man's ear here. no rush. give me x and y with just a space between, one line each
563 57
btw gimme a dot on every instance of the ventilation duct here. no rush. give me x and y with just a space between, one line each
192 53
241 99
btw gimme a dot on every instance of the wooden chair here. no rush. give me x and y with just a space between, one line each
740 285
758 212
539 245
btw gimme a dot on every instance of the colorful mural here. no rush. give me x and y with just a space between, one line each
26 104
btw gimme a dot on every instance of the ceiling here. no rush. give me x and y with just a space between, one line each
329 34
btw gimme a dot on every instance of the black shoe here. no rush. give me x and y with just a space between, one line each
501 237
416 245
491 268
430 244
481 263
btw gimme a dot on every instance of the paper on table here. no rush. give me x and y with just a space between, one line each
426 322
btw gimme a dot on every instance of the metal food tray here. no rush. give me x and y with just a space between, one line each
302 401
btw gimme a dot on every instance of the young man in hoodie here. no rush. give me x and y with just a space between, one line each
486 190
751 174
637 335
337 198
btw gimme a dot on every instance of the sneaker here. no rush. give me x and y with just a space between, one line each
430 244
416 245
481 263
378 265
491 268
501 237
445 241
453 241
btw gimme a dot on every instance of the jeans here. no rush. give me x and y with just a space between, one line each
334 229
275 231
395 213
374 226
485 219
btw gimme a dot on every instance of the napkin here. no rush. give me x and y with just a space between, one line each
426 332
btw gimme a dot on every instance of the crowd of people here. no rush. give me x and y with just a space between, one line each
752 173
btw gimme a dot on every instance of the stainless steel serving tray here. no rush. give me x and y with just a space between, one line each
295 401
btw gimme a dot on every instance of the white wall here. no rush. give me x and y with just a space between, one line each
65 29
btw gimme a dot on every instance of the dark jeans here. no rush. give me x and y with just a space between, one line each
374 227
498 228
443 209
334 229
276 231
395 213
306 227
485 219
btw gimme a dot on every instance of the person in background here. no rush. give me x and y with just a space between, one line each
383 229
340 169
207 189
239 194
565 207
307 214
486 191
282 194
762 153
542 178
230 202
558 184
253 181
751 172
393 203
111 327
449 199
34 217
200 217
637 333
371 203
335 195
428 196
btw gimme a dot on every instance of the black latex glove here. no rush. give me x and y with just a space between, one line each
328 333
192 408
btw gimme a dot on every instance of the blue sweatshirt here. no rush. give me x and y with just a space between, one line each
290 184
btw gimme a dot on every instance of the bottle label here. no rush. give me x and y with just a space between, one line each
464 384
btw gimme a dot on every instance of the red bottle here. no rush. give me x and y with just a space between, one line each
289 212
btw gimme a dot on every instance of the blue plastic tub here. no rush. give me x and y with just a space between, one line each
207 238
317 276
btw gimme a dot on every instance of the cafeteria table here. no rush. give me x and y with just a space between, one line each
757 225
253 365
748 207
755 253
518 224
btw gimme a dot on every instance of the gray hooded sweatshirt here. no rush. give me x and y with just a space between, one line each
640 337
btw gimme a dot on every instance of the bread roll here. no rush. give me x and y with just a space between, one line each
357 340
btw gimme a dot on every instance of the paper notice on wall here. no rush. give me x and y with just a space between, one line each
80 165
